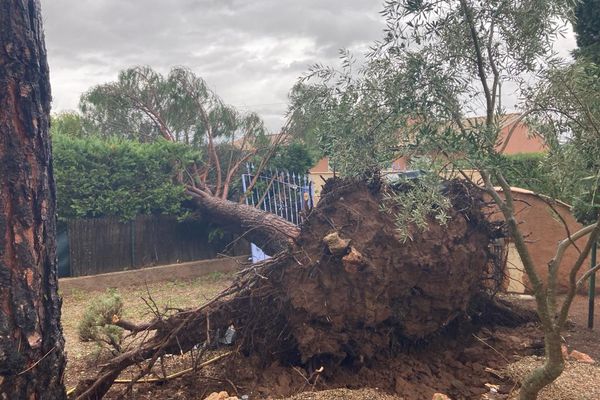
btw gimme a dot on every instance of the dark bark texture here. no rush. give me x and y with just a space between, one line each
269 231
32 361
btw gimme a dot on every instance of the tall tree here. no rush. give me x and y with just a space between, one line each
145 105
32 361
439 63
586 25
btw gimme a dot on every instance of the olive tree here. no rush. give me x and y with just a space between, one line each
440 63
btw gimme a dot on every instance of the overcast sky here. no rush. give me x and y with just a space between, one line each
249 51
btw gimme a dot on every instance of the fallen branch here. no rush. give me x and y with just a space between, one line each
177 374
136 328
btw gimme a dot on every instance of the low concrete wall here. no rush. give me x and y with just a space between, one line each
121 279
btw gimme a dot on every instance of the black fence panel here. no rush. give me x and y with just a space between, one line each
101 245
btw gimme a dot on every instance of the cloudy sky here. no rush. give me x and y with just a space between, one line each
249 51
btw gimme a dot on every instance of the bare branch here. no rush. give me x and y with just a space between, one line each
507 208
592 238
585 276
480 62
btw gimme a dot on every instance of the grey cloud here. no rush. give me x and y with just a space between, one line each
251 52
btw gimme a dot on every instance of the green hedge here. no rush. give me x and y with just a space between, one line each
96 177
527 171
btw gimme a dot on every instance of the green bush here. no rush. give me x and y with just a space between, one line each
96 325
294 157
116 177
527 171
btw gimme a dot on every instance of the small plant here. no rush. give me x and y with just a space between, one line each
98 322
215 276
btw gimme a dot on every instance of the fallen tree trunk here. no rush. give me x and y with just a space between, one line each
269 231
347 288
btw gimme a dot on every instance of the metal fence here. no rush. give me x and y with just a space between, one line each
289 196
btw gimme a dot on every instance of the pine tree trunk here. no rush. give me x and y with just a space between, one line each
32 361
269 231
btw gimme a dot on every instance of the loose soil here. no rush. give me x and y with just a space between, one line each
404 374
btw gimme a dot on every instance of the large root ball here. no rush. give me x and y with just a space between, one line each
348 290
358 285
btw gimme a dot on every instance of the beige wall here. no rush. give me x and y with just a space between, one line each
543 231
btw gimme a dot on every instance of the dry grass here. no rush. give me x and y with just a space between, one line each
166 295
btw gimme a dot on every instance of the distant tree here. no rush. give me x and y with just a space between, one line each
144 105
68 123
586 25
306 112
570 122
32 360
294 157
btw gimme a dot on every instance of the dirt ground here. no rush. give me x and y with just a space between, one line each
82 357
461 363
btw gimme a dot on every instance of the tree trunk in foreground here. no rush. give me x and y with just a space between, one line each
547 373
32 361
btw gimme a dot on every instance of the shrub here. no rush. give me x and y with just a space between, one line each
96 324
116 177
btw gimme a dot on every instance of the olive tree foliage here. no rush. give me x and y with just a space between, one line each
145 105
439 63
566 110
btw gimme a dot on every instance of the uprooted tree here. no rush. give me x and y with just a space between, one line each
376 263
347 286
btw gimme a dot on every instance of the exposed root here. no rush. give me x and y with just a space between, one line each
349 290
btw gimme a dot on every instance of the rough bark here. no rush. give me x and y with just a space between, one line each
547 373
269 231
32 361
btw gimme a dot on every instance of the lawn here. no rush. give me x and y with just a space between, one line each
82 357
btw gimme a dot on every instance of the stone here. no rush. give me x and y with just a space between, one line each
352 261
220 396
336 245
440 396
581 357
565 351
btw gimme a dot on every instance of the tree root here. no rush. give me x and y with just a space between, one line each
186 329
348 290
